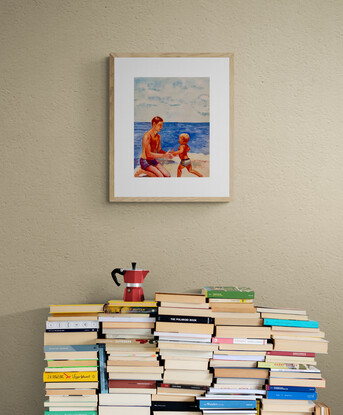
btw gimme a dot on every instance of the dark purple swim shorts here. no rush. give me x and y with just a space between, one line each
146 163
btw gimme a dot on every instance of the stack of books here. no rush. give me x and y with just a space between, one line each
132 365
239 383
184 328
71 353
294 376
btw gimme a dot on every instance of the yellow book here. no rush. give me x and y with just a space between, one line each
76 308
121 303
70 376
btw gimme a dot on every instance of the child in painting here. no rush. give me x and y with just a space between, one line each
183 154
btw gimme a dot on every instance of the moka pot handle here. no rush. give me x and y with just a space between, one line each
117 271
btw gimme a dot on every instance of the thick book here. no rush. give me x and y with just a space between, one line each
123 399
291 323
292 395
233 308
229 292
227 404
243 332
127 325
185 319
241 373
53 339
310 383
310 345
76 308
291 405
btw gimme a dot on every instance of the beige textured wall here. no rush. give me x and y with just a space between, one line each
282 234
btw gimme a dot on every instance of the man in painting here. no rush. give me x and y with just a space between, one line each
152 151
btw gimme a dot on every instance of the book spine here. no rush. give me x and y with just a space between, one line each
70 412
174 406
185 319
217 404
290 389
292 395
131 310
70 330
72 325
103 380
242 295
238 341
141 384
296 354
70 376
174 386
72 348
291 323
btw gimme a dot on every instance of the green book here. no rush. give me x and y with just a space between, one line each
229 292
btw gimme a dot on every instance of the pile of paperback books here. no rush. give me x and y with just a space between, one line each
71 354
188 354
132 365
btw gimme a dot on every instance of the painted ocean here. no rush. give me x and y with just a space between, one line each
199 136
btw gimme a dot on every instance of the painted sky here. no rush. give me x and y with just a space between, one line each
173 99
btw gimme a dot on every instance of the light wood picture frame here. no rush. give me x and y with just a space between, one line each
171 127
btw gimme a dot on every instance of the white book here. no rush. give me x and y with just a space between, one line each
129 336
281 310
64 325
239 391
125 399
124 410
255 358
181 335
125 319
71 369
61 398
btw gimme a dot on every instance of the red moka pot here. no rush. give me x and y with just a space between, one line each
134 279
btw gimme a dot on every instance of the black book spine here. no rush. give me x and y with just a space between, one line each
174 406
184 319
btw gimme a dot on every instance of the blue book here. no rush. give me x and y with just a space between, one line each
292 395
291 389
103 381
227 404
72 348
291 323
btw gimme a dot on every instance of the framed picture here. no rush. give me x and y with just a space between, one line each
171 127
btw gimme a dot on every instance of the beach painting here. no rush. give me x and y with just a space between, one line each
171 127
